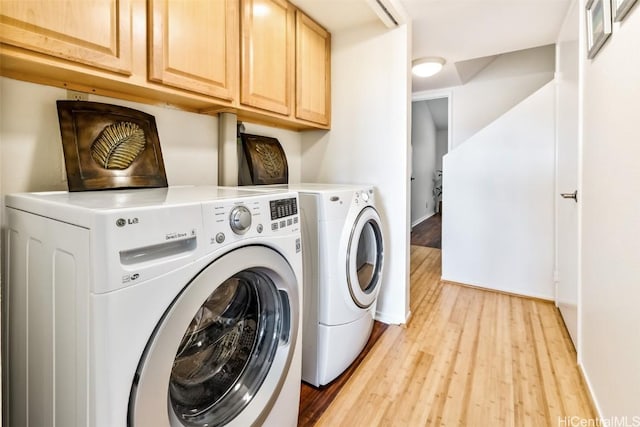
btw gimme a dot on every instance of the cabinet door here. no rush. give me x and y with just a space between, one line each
267 55
96 32
313 71
194 45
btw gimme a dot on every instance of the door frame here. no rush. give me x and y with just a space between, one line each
428 96
573 12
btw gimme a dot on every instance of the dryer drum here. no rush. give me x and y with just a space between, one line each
227 350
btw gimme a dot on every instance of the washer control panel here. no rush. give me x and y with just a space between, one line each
284 213
227 221
283 208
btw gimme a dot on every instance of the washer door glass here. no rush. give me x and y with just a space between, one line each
364 258
227 350
224 346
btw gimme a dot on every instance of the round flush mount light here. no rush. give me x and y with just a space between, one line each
427 67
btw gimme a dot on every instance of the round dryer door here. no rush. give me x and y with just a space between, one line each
364 258
222 351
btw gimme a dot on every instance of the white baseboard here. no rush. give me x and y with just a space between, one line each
592 395
515 292
422 219
391 319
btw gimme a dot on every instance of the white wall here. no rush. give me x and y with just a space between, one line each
31 146
369 142
442 146
504 83
610 294
423 159
498 202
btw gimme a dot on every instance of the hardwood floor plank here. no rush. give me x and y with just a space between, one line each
428 233
529 408
467 357
404 403
314 401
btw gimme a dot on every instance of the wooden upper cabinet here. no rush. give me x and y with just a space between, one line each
268 40
194 45
313 71
95 33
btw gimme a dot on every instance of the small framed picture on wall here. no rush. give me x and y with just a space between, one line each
598 13
621 7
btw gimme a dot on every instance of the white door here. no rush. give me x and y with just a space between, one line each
365 258
221 352
567 174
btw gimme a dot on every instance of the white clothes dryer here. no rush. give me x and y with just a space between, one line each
177 306
343 252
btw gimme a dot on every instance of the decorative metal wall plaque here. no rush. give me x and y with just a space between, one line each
265 160
108 146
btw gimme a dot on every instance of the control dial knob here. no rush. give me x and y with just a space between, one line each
240 219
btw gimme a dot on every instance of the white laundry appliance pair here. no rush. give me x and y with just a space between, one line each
343 252
176 306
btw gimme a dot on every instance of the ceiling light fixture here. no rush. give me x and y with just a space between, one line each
427 67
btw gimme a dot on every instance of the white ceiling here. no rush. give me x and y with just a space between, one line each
469 34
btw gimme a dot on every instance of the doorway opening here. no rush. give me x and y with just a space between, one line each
430 141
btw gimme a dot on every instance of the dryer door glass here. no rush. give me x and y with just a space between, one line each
367 257
364 260
227 350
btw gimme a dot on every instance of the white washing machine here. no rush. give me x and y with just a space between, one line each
343 259
155 307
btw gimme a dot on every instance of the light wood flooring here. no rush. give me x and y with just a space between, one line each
467 357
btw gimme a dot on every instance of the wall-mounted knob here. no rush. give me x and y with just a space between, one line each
240 219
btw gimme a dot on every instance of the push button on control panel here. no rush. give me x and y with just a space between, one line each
220 237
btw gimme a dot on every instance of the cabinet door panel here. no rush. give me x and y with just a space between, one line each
92 32
194 45
313 71
267 55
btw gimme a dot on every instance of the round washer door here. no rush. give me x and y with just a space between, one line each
365 258
221 352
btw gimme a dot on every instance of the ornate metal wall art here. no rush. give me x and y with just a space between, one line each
264 159
108 146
